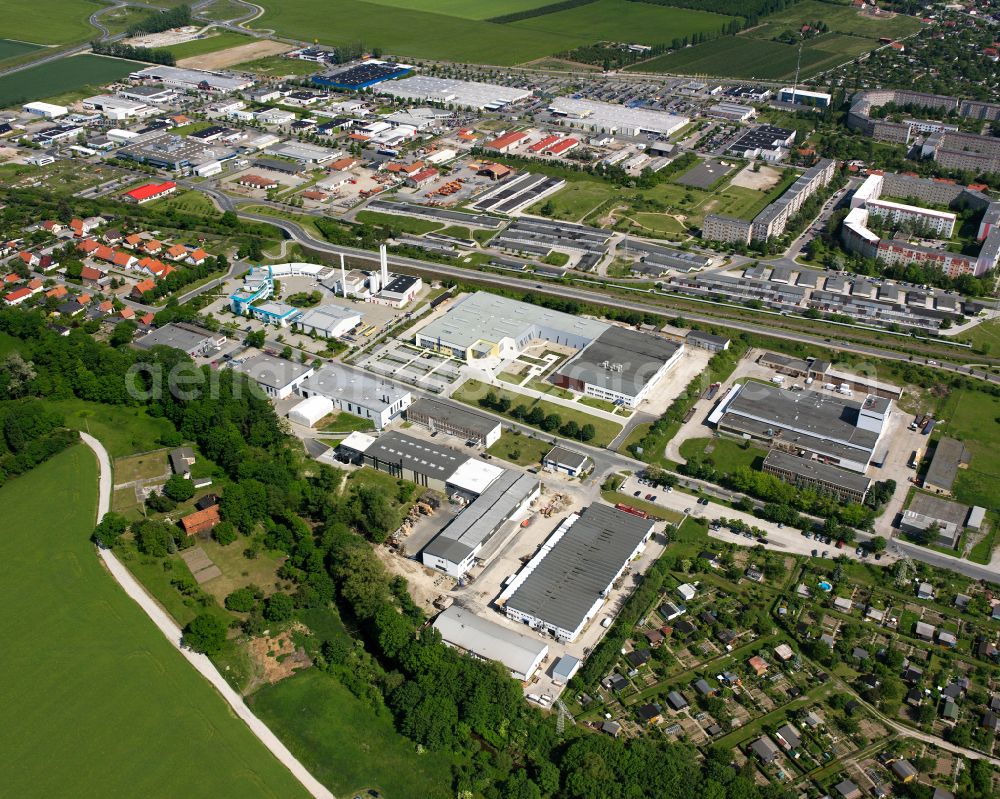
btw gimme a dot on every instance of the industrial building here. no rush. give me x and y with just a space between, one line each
799 96
950 455
191 80
827 427
620 366
817 475
310 411
504 498
277 377
358 393
452 92
568 461
484 325
165 151
765 141
440 415
329 321
188 338
356 77
568 580
488 640
614 119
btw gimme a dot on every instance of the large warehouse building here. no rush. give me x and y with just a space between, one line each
493 496
827 427
615 119
445 416
488 640
565 584
447 91
614 363
357 392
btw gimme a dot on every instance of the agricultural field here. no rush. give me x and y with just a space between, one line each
117 19
449 30
223 10
13 49
220 40
276 65
345 743
745 56
80 75
50 21
624 20
112 679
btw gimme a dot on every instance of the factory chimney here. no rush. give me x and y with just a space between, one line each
385 266
343 276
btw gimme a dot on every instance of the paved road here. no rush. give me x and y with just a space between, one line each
169 628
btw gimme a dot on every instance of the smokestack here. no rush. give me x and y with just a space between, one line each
385 266
343 276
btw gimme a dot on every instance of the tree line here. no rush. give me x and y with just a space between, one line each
540 11
158 21
133 53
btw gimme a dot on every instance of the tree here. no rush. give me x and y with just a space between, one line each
109 530
224 533
255 338
243 600
587 432
123 333
278 607
877 544
551 422
373 514
16 376
159 503
154 538
286 353
535 416
206 633
179 488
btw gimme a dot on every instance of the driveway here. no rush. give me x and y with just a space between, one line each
173 634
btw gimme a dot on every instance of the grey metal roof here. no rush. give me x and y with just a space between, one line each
568 581
274 372
639 355
175 336
416 455
564 456
339 383
817 470
948 456
489 640
479 521
452 414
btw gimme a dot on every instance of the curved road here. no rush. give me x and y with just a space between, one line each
172 632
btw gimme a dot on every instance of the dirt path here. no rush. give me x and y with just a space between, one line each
170 629
235 55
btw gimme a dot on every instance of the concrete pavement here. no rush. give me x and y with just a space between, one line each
173 633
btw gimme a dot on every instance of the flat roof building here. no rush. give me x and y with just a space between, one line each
447 91
329 321
839 431
611 118
358 393
566 460
439 415
568 580
277 377
192 79
188 338
949 456
807 473
456 548
488 640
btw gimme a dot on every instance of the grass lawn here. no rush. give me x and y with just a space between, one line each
343 422
983 551
190 202
141 467
347 745
405 224
464 9
658 224
725 453
605 430
548 388
746 56
839 18
124 431
625 21
483 236
970 416
223 10
387 484
49 21
576 199
72 77
414 32
984 337
597 402
12 49
276 65
110 679
457 232
520 449
212 42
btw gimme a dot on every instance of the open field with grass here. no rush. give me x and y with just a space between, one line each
463 8
111 681
345 744
605 430
215 40
49 21
122 430
190 202
576 199
223 10
119 18
971 417
344 422
746 56
276 65
78 74
404 224
838 18
725 453
654 510
623 20
520 449
13 49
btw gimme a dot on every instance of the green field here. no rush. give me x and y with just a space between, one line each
520 449
122 430
725 453
839 19
11 49
404 224
450 30
345 744
222 40
745 56
88 676
276 65
971 417
50 21
624 20
577 199
63 76
223 10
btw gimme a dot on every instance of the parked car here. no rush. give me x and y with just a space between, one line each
637 493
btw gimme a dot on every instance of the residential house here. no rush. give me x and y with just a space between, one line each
765 749
201 521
